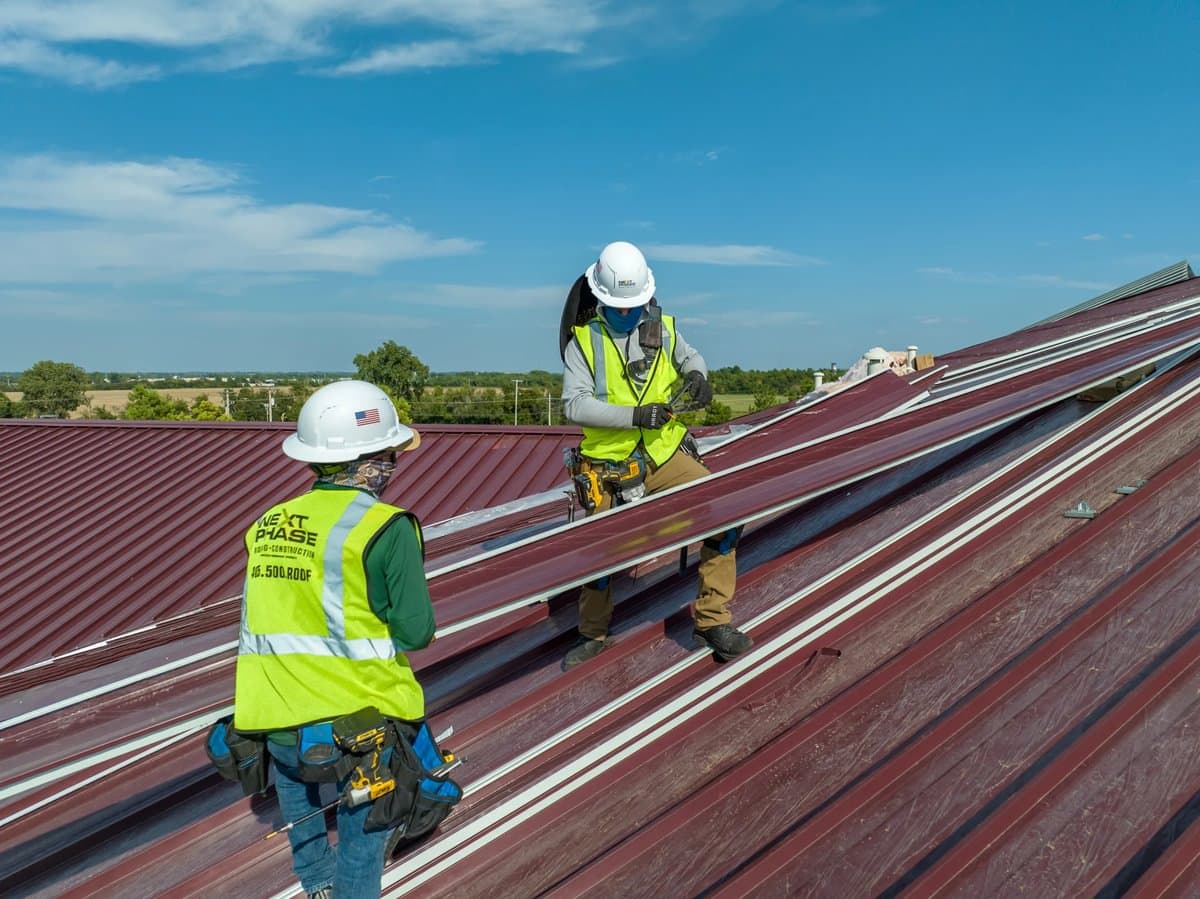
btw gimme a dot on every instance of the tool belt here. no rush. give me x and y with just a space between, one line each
592 478
241 758
332 750
395 765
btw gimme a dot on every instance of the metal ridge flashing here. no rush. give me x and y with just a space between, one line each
1171 274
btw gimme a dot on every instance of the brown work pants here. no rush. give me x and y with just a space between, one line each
718 571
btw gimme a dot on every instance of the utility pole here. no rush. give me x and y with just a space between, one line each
548 407
516 393
270 403
227 415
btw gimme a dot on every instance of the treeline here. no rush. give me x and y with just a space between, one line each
786 382
112 380
59 389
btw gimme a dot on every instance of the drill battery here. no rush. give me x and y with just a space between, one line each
592 478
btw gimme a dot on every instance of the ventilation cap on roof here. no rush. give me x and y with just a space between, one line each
345 420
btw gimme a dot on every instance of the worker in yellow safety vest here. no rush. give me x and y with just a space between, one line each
335 593
622 366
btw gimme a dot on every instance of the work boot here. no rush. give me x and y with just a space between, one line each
585 648
323 893
725 640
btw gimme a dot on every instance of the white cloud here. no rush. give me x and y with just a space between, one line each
834 10
1148 262
348 37
78 69
951 274
120 221
700 157
426 55
741 319
727 254
466 296
1093 237
1060 281
230 34
692 298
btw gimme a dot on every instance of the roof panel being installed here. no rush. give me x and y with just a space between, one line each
975 664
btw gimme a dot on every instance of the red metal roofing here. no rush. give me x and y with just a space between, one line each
127 524
957 687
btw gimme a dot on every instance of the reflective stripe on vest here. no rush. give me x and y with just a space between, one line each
612 384
333 604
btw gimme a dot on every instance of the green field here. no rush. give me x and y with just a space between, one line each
740 403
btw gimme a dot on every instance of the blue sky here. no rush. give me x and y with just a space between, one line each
276 184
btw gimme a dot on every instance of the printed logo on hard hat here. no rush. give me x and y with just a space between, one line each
626 282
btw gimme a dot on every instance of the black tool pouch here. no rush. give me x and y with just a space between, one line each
321 759
327 751
423 797
238 757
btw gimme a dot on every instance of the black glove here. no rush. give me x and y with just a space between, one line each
652 416
699 388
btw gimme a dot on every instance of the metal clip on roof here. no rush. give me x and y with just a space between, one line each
1128 489
1082 510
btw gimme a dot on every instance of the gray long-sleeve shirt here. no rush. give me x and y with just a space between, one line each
579 386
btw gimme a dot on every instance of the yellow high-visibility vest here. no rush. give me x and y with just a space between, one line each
614 385
310 647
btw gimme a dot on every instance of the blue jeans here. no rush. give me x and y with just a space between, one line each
355 869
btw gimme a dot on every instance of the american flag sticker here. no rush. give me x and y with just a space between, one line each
366 417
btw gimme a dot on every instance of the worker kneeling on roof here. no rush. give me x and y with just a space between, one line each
335 593
627 372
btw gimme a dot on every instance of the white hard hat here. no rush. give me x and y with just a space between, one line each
345 420
620 277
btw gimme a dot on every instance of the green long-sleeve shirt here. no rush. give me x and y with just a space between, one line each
396 587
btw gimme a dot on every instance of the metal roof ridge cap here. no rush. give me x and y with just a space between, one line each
1167 276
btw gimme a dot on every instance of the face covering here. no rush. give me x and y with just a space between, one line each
621 324
366 474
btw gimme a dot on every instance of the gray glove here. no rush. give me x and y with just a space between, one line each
652 416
